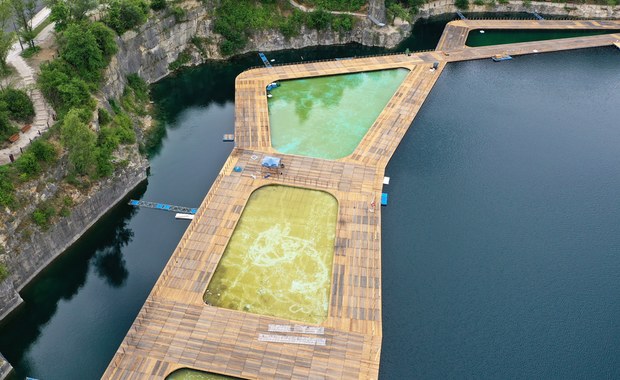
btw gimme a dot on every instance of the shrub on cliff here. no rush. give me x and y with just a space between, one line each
6 187
158 5
80 143
123 15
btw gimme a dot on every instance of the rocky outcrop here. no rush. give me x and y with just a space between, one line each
586 11
30 254
5 368
376 9
149 51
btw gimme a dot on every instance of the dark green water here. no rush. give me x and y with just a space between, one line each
501 242
500 37
79 309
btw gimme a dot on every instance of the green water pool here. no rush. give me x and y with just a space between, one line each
327 117
509 36
279 259
192 374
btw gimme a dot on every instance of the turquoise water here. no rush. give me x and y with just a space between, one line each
327 117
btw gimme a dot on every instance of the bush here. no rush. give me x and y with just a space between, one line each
104 117
139 86
6 188
178 13
62 90
184 58
43 215
4 271
43 151
462 4
19 105
319 19
124 129
124 15
28 165
158 5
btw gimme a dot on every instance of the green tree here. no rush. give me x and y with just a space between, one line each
6 38
65 12
80 143
19 105
106 40
123 15
64 90
24 11
79 48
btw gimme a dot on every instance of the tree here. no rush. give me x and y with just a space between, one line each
123 15
18 103
80 143
6 38
79 48
65 12
24 11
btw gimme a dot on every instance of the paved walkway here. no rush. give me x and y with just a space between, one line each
309 9
43 111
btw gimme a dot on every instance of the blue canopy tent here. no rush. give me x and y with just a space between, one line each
271 162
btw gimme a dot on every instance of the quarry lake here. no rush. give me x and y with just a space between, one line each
500 245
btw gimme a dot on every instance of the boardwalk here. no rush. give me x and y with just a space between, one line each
176 329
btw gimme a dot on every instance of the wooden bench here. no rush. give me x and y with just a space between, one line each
26 128
14 138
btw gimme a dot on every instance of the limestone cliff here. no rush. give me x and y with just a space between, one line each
159 42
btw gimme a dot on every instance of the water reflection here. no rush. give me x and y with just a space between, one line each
23 327
109 262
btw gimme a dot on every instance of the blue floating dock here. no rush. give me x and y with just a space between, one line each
384 199
163 206
265 60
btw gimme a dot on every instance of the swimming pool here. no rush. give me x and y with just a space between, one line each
278 261
327 117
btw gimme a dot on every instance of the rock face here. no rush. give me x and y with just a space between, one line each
159 42
586 11
376 9
31 255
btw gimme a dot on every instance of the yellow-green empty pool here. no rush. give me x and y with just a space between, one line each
192 374
327 117
278 261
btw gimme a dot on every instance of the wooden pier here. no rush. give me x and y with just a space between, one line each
176 329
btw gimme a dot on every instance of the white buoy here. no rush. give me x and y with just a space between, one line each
273 60
269 95
482 31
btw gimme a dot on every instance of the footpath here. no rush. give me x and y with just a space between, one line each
43 118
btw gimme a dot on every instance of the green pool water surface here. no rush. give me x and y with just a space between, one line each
327 117
192 374
279 259
510 36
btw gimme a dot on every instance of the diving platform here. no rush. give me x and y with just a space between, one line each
617 43
176 329
461 15
163 207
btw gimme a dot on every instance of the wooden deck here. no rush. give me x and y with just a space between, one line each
176 329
